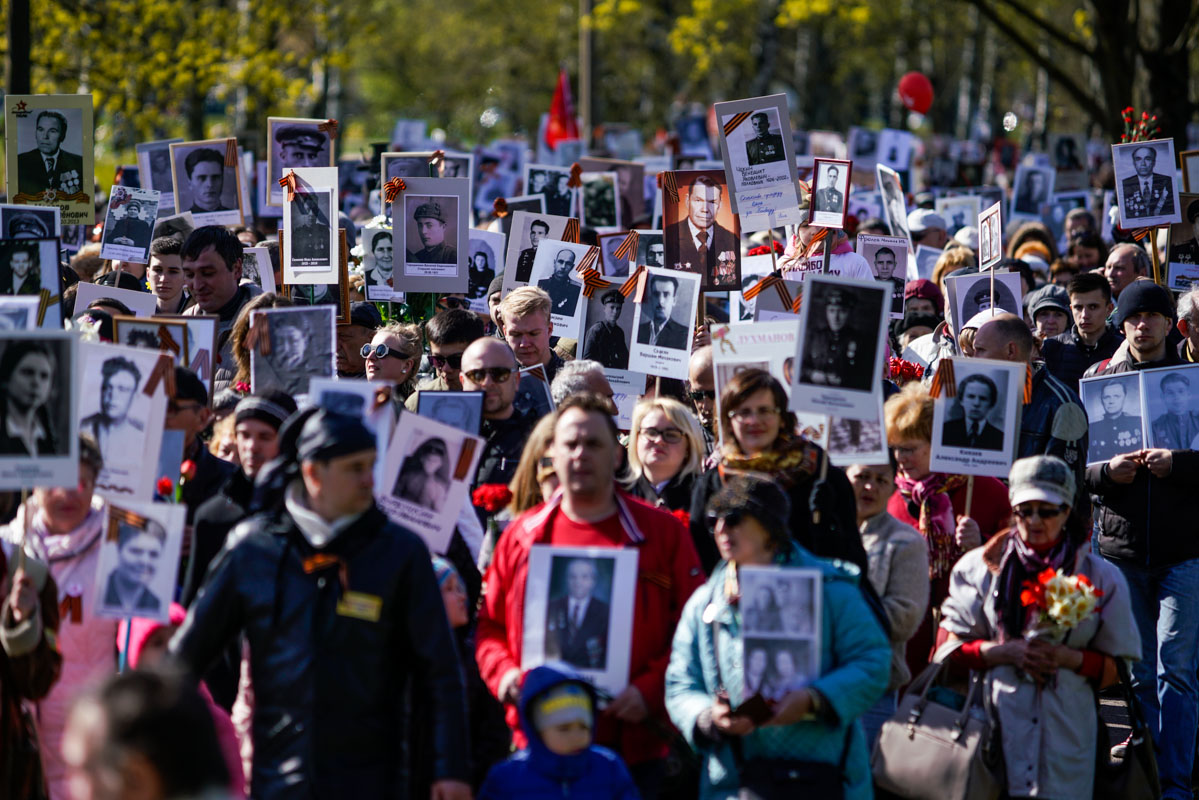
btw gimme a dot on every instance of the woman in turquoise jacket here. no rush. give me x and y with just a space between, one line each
815 723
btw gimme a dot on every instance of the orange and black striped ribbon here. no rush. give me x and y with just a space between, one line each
944 383
166 341
775 280
592 280
329 128
288 182
392 189
1028 384
462 468
628 248
734 121
231 152
590 260
117 516
164 372
669 184
571 233
636 281
45 300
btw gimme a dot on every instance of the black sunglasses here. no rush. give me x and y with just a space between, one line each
453 302
1043 513
498 374
702 394
380 351
731 519
454 361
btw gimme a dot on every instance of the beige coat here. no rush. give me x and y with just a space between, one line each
898 570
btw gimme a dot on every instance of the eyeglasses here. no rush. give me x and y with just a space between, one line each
545 461
669 435
497 374
453 302
746 414
701 394
1043 513
381 351
453 362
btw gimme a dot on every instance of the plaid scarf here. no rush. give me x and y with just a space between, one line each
937 524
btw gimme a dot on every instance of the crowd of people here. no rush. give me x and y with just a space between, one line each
319 649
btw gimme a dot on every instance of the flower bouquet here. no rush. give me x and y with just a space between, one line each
1059 602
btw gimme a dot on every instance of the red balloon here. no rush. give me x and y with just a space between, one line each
916 92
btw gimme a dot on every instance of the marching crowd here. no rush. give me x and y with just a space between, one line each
318 649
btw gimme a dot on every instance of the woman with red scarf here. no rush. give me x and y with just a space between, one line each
934 503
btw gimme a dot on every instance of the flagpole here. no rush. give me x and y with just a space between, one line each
585 71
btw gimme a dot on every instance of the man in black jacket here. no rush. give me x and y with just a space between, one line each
345 624
1091 339
489 366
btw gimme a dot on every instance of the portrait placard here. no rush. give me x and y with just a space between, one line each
258 269
550 181
759 161
608 328
630 180
888 258
1146 192
122 404
356 398
309 247
895 207
926 260
959 212
459 165
976 421
753 269
651 248
528 230
1182 254
830 188
207 180
627 388
865 205
336 295
770 305
201 346
612 264
19 313
1069 151
39 384
427 477
29 267
990 237
49 154
556 270
840 347
533 397
433 235
1061 205
781 616
406 165
863 147
294 143
153 333
461 410
970 294
579 610
293 346
154 166
127 225
532 203
701 233
768 346
29 222
486 250
1171 401
1115 414
663 321
857 441
600 204
895 148
378 261
142 304
1031 190
1189 160
180 225
139 560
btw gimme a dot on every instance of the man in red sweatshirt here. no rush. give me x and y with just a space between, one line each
589 511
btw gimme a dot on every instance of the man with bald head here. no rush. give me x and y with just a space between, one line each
1053 422
489 366
701 390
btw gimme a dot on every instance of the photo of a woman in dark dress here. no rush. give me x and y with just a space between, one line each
27 373
425 475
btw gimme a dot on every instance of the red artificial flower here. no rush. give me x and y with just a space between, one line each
491 497
682 516
241 387
165 487
764 249
1033 594
1046 575
187 471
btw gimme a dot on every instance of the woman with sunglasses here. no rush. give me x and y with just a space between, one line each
392 357
760 437
706 684
666 452
1042 685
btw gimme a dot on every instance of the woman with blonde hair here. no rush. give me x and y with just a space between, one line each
666 453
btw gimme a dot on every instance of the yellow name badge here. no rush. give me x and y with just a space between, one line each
360 606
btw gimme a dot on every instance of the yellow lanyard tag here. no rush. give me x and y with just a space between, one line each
360 606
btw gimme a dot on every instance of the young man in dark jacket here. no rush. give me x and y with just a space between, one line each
345 624
1068 355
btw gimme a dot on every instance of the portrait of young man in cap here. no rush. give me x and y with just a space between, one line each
431 218
837 353
294 143
131 229
28 223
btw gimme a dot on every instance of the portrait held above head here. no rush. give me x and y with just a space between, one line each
49 167
977 395
658 327
204 169
431 218
698 242
763 147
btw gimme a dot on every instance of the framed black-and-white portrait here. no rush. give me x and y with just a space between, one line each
39 441
258 268
292 346
551 182
895 149
987 291
630 177
29 222
651 248
337 295
857 441
840 352
959 212
888 260
579 611
309 246
759 161
207 181
532 203
427 475
599 206
142 304
1115 415
753 269
486 261
29 268
19 313
154 166
48 144
458 165
610 263
294 143
461 410
1031 191
863 147
128 224
533 397
406 165
201 334
607 327
556 270
378 262
990 237
1171 401
139 560
1068 151
122 405
1189 161
1182 253
700 230
181 225
768 346
977 420
1146 191
895 208
663 322
527 233
153 333
830 193
432 234
781 615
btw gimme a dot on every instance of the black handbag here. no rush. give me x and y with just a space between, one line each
1133 777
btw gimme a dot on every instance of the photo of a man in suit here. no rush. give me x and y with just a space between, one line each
829 197
576 625
1147 194
977 395
765 147
205 169
1178 428
563 292
698 240
538 230
111 425
657 328
48 167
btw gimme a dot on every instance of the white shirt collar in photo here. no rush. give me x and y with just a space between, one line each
695 234
578 610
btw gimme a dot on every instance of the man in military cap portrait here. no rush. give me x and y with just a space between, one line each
130 230
27 225
310 232
765 147
1188 252
301 146
430 218
836 353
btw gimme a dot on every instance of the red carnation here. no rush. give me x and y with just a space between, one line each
682 516
491 497
241 387
187 471
165 487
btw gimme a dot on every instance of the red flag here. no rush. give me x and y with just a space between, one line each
562 123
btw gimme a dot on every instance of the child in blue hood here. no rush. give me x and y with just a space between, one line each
557 711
